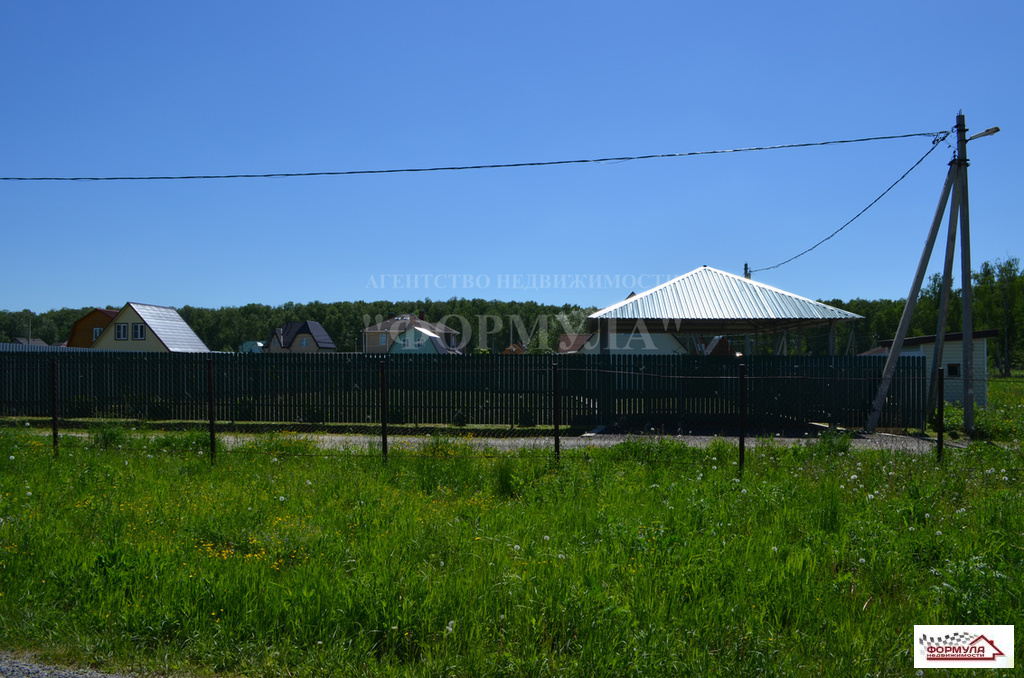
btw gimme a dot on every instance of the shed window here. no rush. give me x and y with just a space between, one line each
953 370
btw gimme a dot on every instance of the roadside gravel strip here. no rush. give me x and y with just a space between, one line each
858 441
15 666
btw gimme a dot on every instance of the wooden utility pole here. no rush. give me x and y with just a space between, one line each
956 183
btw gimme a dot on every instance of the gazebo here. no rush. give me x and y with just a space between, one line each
709 301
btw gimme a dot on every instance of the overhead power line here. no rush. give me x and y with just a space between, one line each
937 136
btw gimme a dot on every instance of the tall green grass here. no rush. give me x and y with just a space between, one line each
649 558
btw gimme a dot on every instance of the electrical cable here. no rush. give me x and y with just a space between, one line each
276 175
939 138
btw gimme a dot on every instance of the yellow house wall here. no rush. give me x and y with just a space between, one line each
372 342
107 342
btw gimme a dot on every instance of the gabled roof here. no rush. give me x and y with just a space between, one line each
713 301
286 335
169 328
35 341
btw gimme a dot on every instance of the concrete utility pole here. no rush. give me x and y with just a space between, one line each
956 183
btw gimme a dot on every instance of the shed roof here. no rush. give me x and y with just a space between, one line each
709 300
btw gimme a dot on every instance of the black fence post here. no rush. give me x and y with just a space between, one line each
383 411
555 408
743 413
940 424
833 422
211 410
56 406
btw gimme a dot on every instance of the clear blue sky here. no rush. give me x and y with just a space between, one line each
141 88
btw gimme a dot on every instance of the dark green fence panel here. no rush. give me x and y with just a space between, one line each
668 393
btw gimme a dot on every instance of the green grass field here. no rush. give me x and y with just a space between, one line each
650 558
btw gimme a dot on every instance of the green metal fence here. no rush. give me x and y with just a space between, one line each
632 391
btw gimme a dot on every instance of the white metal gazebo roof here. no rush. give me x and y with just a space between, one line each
707 300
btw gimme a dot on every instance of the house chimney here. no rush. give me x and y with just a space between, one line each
421 316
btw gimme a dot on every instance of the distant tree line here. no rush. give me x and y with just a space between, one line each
489 325
998 304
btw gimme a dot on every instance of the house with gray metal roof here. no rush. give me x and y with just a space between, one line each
710 301
144 327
